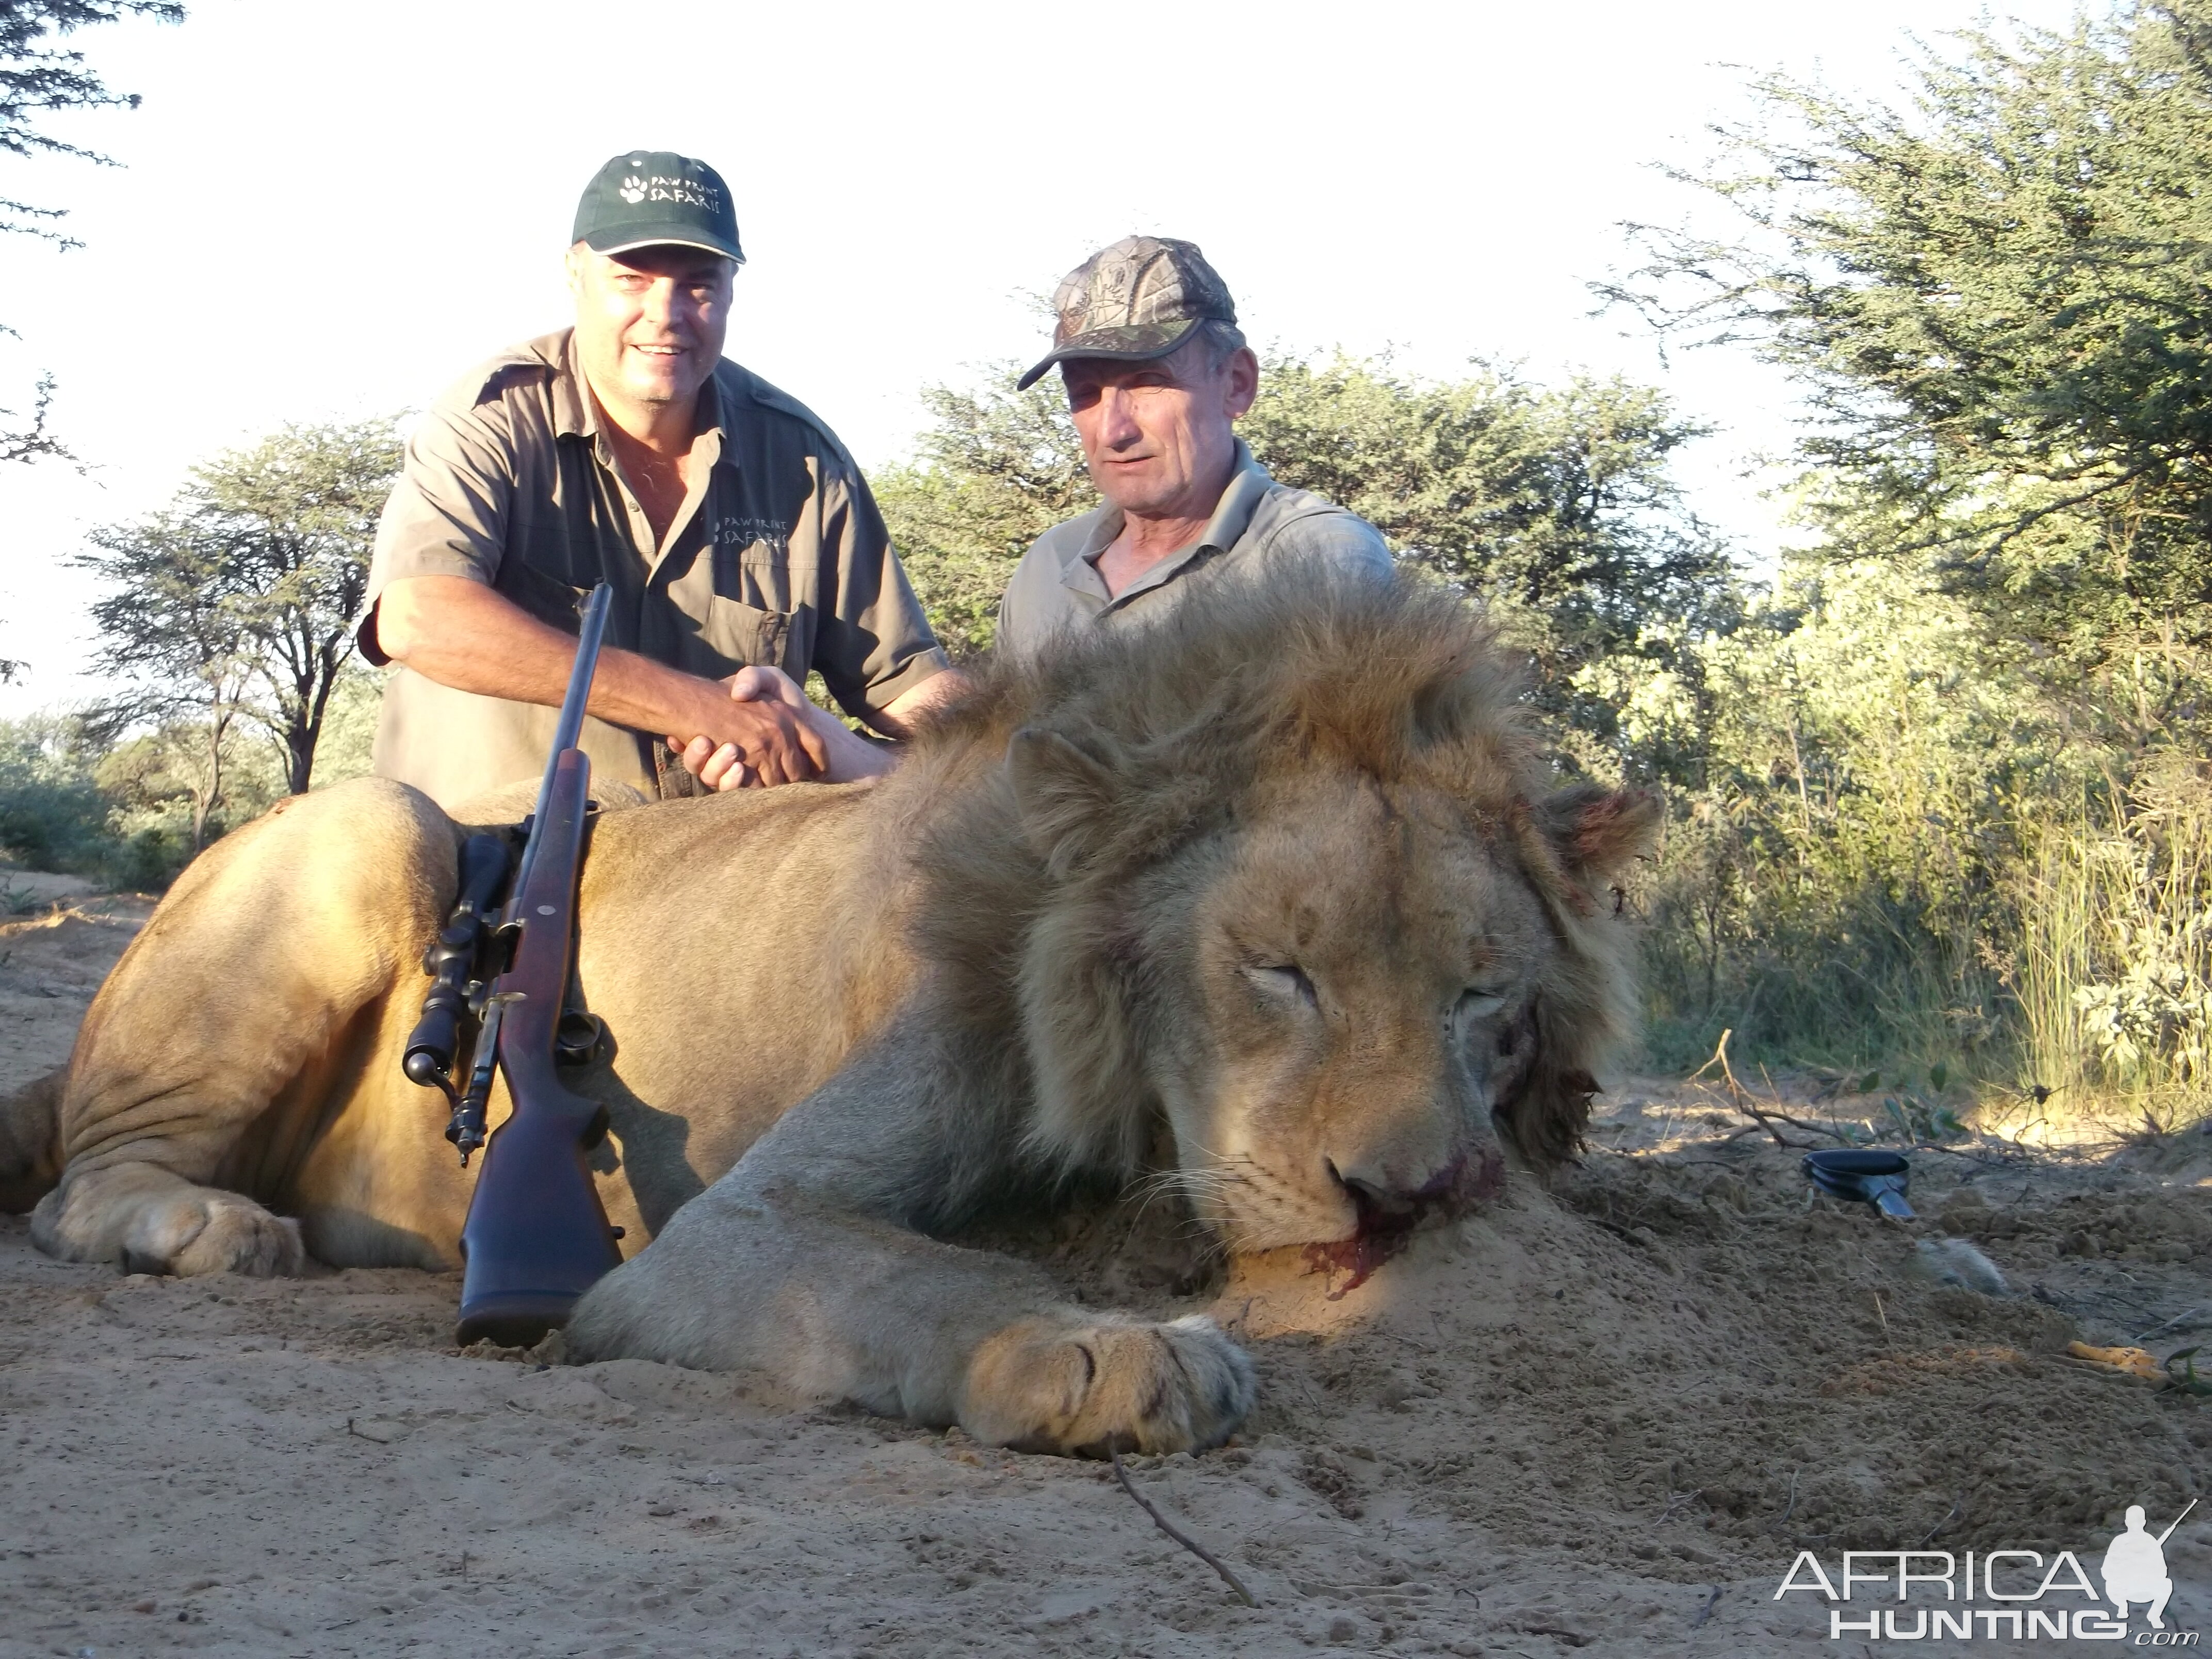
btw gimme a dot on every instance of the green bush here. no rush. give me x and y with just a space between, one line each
119 811
53 815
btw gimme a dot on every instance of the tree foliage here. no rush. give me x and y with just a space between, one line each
1554 505
1853 771
173 637
235 603
38 77
993 470
1994 298
296 518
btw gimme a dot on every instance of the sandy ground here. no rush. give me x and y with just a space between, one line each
1605 1417
57 943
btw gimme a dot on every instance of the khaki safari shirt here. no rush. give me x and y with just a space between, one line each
781 559
1057 584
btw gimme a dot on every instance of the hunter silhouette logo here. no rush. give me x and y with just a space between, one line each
2008 1594
2134 1566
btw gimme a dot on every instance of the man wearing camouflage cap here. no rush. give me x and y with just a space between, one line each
1157 373
740 539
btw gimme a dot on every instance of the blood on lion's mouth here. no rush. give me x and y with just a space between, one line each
1385 1231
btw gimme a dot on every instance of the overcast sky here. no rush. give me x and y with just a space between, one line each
329 210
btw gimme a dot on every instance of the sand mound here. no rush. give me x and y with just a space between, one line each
1606 1416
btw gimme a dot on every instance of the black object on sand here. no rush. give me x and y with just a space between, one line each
1876 1178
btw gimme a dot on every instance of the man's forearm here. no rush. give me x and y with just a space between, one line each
464 635
895 719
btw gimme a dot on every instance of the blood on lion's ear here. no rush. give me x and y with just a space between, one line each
1061 794
1593 834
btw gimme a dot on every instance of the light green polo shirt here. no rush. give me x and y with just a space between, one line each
1258 521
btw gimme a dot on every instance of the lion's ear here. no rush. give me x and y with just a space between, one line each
1595 832
1061 793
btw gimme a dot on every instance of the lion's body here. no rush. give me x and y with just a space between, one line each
734 947
1278 876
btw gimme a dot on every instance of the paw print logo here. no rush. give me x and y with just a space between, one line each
633 191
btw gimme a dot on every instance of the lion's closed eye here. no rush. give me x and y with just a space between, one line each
1283 981
1479 1002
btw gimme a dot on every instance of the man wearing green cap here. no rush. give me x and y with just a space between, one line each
1158 375
741 542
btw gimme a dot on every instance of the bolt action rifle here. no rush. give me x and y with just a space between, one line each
536 1237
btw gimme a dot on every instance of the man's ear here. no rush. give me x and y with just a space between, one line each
1062 794
1242 389
1595 833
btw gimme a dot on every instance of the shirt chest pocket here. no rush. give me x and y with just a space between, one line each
736 634
751 611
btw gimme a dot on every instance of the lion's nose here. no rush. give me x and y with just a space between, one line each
1376 1204
1386 1200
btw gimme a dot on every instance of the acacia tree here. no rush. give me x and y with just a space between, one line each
37 78
171 633
237 602
295 517
1993 299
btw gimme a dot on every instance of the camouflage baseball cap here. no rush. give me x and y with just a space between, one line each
1135 301
653 197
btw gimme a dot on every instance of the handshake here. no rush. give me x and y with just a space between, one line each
765 732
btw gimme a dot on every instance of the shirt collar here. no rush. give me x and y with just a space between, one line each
1248 483
573 414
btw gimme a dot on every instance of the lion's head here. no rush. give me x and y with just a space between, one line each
1285 869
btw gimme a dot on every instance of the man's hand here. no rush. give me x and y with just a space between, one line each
464 634
751 738
836 754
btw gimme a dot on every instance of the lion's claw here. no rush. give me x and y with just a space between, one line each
1047 1386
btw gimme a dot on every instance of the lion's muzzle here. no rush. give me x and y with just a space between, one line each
1388 1219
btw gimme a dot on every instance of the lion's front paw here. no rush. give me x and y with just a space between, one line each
1048 1386
227 1234
155 1223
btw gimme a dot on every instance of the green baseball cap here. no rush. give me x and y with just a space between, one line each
655 198
1133 301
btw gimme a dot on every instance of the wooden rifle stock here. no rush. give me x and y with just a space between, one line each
536 1236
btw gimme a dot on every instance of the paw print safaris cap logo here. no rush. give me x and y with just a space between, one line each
654 198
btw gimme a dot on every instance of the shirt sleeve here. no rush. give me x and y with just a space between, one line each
1341 538
447 516
874 643
1022 619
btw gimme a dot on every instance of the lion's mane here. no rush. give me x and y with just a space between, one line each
1173 725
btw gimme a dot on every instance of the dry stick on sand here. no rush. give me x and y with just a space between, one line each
1957 1505
1707 1611
1790 1508
1740 1097
1180 1536
2168 1324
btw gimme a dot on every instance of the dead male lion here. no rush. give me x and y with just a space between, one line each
1280 870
